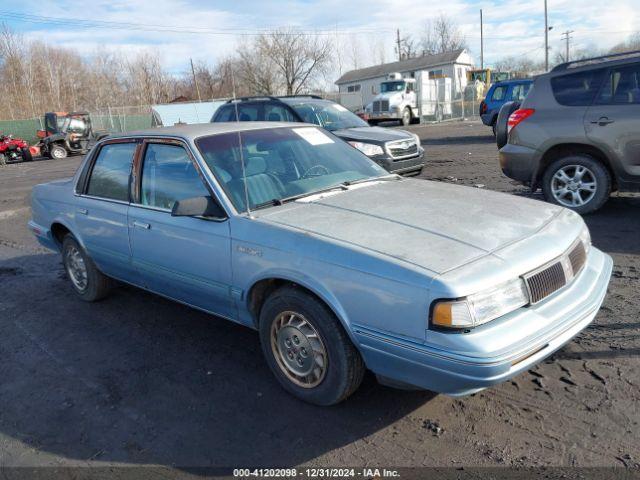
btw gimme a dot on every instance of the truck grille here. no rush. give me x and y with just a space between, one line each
553 277
380 106
402 149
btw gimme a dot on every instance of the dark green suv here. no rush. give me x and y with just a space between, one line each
577 133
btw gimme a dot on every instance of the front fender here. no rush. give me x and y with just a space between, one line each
312 284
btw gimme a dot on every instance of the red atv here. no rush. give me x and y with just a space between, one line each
13 149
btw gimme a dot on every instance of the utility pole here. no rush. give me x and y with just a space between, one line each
567 37
195 80
399 44
481 44
546 38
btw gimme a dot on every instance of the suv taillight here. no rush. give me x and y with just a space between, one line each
518 116
483 107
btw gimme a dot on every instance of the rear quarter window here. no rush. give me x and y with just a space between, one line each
577 89
499 93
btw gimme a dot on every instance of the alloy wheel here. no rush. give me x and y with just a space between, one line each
573 186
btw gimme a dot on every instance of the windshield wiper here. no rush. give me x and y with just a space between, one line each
281 201
384 178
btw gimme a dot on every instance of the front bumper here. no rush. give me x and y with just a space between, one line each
401 166
390 115
556 320
519 163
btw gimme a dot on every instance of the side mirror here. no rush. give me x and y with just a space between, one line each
198 207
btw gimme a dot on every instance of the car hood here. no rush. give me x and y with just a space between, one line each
432 225
376 134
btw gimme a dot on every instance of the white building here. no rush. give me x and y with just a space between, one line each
358 87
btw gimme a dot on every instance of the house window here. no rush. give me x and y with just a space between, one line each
353 88
436 74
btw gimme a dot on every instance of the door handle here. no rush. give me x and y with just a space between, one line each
146 226
602 121
82 211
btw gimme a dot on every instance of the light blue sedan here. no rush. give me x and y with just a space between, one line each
340 266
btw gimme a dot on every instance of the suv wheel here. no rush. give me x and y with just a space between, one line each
307 349
578 182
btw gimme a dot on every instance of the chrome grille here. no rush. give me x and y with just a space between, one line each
545 282
402 149
577 257
381 105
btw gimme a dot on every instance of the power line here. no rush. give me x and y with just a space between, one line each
567 37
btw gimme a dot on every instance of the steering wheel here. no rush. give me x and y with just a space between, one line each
321 169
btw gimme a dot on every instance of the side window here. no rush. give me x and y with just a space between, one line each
169 175
577 89
111 170
499 93
227 114
622 86
249 113
277 113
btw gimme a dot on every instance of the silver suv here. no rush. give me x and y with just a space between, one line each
577 133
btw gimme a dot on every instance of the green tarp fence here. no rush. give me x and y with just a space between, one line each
26 129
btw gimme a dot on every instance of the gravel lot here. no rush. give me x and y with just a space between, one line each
139 380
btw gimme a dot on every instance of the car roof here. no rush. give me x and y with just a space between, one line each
514 80
196 130
604 61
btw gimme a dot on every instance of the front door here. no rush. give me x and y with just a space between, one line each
612 122
101 210
184 258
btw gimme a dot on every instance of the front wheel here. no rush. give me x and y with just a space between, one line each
26 155
307 349
88 282
57 152
578 182
406 117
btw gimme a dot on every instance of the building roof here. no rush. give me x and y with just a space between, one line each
410 64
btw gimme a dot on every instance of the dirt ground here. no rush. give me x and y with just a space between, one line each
139 380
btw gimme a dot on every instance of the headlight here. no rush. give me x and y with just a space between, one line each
418 141
585 238
368 148
481 307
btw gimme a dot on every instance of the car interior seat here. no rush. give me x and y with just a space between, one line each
261 185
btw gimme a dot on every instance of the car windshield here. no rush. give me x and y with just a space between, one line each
391 87
280 163
329 115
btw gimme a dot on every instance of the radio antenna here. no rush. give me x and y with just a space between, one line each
244 170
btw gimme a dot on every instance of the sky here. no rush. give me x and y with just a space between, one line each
364 29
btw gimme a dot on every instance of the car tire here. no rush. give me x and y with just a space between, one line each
572 188
57 152
26 155
405 121
87 281
494 127
323 367
501 123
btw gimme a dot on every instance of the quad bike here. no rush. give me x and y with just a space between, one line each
14 150
67 134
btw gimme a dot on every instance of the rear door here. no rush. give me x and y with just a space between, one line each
613 121
101 209
184 258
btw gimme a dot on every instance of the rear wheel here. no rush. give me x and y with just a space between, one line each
578 182
88 282
57 152
307 349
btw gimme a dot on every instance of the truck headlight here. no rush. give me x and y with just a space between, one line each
585 238
368 149
479 308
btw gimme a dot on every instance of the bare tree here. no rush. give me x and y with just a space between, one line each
524 66
298 58
408 47
441 35
632 43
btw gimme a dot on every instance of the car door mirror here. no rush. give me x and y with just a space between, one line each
198 207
